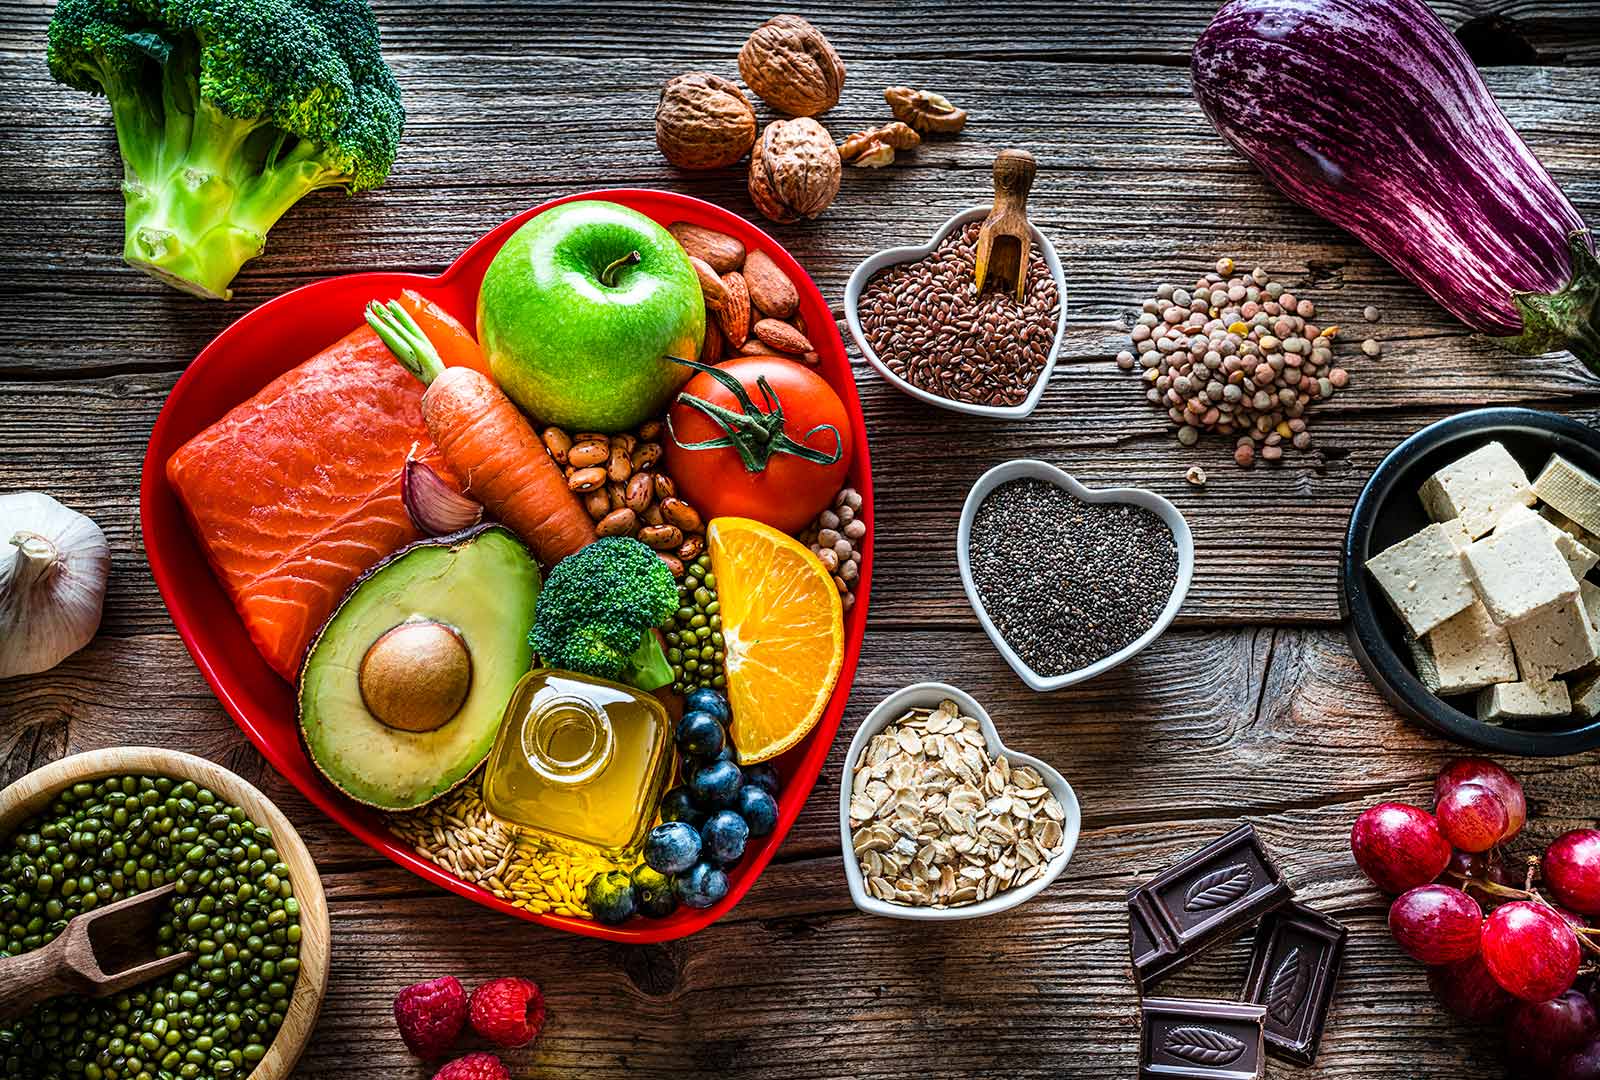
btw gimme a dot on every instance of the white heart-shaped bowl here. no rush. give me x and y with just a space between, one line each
1041 470
893 256
928 695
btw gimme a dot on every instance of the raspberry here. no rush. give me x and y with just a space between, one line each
430 1016
474 1067
508 1012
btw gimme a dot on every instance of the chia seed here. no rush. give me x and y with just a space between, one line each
1067 582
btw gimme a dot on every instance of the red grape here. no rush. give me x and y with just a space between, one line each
1530 950
1572 871
1472 817
1539 1034
1468 871
1399 847
1582 1064
1467 989
1436 924
1486 773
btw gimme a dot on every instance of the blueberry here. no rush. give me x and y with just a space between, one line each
708 700
678 805
702 886
758 808
723 836
610 897
672 847
655 891
700 734
714 786
763 776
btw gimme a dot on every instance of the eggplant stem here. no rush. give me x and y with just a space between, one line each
1568 318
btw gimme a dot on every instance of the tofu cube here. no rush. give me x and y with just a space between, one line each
1570 527
1556 640
1425 579
1572 491
1586 697
1478 489
1518 571
1580 558
1466 652
1523 701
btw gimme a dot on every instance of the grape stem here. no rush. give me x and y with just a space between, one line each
1587 938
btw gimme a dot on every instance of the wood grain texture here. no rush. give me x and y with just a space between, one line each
1254 708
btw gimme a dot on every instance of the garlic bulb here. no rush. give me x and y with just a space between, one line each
53 568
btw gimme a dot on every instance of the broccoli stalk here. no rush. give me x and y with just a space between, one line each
599 610
227 113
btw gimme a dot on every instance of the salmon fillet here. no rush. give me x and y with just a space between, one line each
296 492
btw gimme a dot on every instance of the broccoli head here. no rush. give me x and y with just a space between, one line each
227 113
598 612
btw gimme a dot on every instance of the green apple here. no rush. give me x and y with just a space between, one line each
579 312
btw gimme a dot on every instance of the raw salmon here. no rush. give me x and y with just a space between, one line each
296 492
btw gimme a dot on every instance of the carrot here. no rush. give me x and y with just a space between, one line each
455 344
493 451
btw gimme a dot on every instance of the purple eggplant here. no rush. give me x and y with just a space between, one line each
1370 113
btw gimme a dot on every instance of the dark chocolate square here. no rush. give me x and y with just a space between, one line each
1201 1040
1192 905
1294 967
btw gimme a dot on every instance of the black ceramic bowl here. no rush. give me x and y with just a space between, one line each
1389 510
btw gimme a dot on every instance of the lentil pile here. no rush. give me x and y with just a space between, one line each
460 834
1068 582
1237 355
927 323
101 842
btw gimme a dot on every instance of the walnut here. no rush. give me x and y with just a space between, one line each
794 170
875 147
791 66
704 122
925 110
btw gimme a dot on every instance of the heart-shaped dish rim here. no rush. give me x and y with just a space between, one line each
929 695
892 256
293 327
1043 470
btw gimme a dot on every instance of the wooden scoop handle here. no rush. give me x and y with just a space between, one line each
36 976
1014 171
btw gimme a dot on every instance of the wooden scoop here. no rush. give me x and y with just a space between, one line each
1004 241
100 953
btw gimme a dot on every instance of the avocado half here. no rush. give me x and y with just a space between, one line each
402 691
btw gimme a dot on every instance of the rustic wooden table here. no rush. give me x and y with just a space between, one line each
1252 708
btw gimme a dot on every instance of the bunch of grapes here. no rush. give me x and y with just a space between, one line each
1528 962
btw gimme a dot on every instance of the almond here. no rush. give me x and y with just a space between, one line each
719 250
770 288
754 347
711 286
734 315
711 348
781 336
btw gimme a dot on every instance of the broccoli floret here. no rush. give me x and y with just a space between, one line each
598 612
227 113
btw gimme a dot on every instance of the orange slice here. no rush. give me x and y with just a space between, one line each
782 631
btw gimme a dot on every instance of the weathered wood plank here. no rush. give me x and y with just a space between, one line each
1267 539
1134 184
1277 726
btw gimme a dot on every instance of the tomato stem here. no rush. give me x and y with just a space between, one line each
755 433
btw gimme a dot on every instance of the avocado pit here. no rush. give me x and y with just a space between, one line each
416 676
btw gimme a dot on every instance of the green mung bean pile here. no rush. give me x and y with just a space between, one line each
234 907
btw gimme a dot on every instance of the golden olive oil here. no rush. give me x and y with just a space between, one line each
580 761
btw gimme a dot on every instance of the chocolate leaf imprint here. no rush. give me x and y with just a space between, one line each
1202 1046
1218 888
1286 993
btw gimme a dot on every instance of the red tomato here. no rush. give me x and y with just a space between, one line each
785 491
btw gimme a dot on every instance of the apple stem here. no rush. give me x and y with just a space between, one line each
608 276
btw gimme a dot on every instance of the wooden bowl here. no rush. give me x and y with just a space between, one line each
34 791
